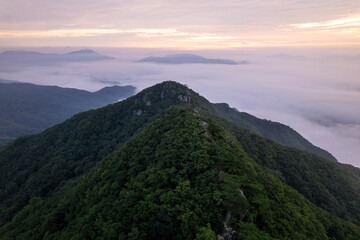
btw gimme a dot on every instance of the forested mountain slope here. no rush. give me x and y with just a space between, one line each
276 131
27 108
38 166
330 185
181 177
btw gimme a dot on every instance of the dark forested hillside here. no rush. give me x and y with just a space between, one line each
38 165
177 179
28 108
330 185
276 131
57 177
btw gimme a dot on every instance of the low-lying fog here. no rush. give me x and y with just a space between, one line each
315 91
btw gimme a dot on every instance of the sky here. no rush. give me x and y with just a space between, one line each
304 55
185 24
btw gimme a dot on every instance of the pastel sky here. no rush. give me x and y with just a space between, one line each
185 24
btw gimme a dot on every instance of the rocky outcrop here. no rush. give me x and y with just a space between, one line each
137 112
185 97
228 233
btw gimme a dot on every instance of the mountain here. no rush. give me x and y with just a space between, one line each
8 81
21 58
275 131
28 108
188 59
164 164
186 176
85 55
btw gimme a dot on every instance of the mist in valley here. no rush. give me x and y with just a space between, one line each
314 91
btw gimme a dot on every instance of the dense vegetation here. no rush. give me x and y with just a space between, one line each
332 186
38 165
275 131
28 108
177 179
46 169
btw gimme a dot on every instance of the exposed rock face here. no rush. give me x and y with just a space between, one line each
137 112
146 100
242 214
206 125
219 237
228 233
241 192
185 98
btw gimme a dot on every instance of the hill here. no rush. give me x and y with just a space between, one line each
275 131
53 165
177 179
28 108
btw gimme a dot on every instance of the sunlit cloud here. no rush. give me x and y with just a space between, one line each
328 33
167 32
149 37
84 32
212 37
228 23
339 23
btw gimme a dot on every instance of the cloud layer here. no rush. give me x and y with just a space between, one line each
308 89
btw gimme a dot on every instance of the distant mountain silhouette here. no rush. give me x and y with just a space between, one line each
22 58
8 81
27 108
189 59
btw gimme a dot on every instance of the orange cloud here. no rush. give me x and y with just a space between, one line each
339 23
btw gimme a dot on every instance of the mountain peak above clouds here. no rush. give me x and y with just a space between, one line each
185 58
83 51
23 58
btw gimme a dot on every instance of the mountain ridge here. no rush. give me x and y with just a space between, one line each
28 108
14 59
276 131
69 150
187 174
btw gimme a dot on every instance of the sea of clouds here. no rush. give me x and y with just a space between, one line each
314 91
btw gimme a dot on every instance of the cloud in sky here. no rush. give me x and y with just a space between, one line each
87 32
164 32
339 23
178 24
